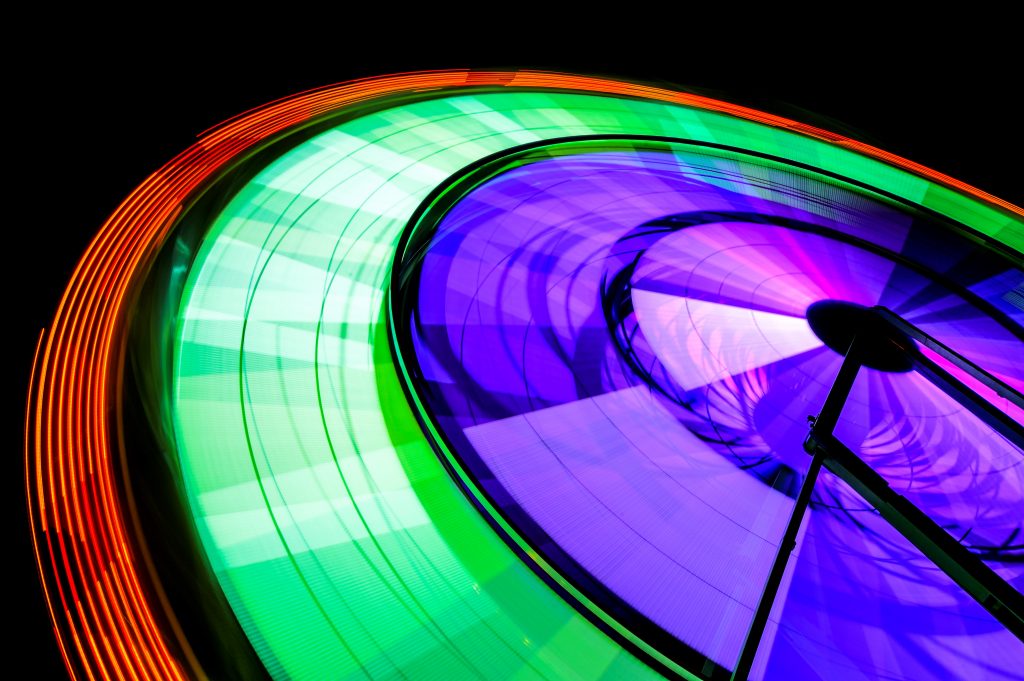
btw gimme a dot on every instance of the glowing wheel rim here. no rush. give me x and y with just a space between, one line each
388 515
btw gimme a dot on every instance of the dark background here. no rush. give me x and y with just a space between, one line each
114 113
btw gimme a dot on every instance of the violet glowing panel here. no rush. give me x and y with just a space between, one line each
613 341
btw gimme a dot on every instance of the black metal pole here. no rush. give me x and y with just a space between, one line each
966 569
771 587
951 355
829 415
976 578
995 594
997 420
826 420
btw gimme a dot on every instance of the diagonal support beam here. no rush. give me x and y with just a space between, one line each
965 568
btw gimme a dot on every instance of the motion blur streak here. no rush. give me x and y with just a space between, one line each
107 618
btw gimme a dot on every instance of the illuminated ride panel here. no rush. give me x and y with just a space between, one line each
615 345
508 376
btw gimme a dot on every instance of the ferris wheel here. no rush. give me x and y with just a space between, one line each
528 375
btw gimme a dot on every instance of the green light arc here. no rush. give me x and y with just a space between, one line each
337 520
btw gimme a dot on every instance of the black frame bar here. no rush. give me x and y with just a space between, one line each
996 595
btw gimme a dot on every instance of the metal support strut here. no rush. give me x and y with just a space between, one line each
996 595
830 413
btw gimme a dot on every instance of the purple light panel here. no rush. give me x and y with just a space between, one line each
615 345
